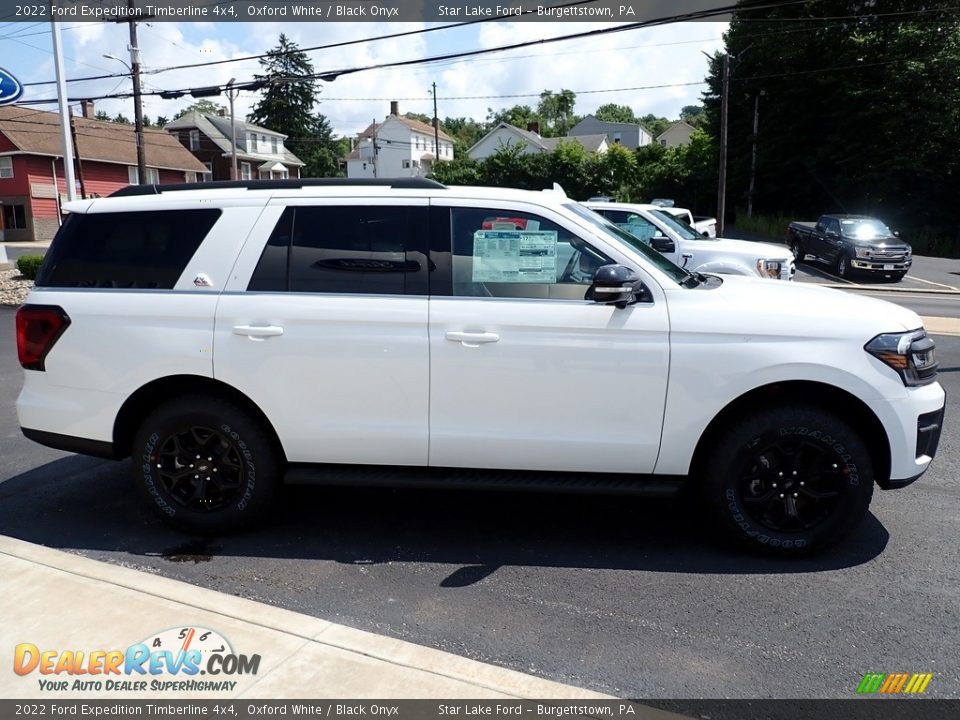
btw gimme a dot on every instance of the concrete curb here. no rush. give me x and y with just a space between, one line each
51 597
942 325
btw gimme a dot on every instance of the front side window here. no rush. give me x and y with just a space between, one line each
509 254
125 249
635 224
6 167
362 249
677 225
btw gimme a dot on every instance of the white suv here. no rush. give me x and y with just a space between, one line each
228 336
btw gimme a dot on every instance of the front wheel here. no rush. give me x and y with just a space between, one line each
789 481
843 266
205 464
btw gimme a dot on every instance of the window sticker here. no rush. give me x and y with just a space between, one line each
643 231
527 256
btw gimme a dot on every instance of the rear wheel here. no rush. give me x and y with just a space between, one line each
205 464
796 247
789 481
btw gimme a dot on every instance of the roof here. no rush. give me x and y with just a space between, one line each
37 132
414 125
591 143
615 123
675 125
217 128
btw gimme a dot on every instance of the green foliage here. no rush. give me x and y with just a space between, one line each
162 120
202 106
860 116
656 125
101 115
29 265
611 112
122 119
557 112
771 226
518 116
287 107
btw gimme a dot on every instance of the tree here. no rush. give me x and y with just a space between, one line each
122 119
557 112
204 107
860 117
518 116
287 106
611 112
656 125
162 120
101 115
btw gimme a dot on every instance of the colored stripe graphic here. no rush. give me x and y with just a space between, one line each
894 683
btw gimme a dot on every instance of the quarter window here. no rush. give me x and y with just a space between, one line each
125 250
346 249
508 254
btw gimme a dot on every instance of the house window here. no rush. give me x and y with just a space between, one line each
406 163
190 177
153 176
273 145
208 175
194 139
616 138
6 167
253 142
133 175
246 172
15 217
663 143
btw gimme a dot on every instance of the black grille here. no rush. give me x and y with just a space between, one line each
929 426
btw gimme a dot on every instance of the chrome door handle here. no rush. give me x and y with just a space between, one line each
470 339
258 332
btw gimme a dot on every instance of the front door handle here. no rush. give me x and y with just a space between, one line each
473 339
258 332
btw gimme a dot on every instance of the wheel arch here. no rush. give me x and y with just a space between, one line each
136 408
829 397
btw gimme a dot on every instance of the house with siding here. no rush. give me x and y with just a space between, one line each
677 133
530 140
630 135
32 185
261 153
398 147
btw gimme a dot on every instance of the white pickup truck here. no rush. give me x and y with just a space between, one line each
706 226
657 226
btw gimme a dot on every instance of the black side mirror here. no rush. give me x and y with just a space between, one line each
832 234
663 244
616 285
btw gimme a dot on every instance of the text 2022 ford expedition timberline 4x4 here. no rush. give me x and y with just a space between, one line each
228 336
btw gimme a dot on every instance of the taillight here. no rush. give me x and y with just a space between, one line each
38 328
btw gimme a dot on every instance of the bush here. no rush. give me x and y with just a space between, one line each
29 265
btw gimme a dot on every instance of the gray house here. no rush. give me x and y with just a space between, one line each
630 135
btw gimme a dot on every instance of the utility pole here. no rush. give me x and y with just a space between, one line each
753 152
722 179
137 106
232 94
76 145
436 129
375 147
64 112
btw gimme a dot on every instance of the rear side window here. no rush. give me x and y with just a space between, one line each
125 250
362 249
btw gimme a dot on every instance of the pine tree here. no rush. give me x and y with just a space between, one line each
287 106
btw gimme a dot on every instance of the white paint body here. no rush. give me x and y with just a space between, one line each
396 380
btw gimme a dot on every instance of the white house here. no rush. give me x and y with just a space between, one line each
505 135
677 134
397 147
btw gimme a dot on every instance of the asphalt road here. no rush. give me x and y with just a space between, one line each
627 597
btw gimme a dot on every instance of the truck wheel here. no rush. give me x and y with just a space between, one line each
796 247
843 266
205 464
788 481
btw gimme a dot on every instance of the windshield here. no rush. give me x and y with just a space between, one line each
677 225
607 228
865 228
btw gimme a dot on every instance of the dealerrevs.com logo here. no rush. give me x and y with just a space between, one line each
170 660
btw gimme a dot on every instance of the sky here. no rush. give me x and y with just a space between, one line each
669 55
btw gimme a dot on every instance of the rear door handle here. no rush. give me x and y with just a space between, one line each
258 332
470 339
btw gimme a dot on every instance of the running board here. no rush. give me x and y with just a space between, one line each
469 479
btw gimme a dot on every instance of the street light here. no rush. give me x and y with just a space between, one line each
137 109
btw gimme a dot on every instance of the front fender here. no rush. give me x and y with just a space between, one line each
722 268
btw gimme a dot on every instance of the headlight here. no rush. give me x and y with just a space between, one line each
911 354
864 252
768 268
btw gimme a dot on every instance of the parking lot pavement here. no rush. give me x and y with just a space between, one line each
621 596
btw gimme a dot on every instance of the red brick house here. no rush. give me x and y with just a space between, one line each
32 185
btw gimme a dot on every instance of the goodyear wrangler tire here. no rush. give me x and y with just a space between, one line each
789 481
205 465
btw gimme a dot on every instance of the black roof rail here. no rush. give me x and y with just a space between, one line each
292 184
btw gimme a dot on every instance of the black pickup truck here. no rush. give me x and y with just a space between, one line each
851 243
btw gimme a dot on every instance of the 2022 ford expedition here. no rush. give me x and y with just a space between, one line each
226 336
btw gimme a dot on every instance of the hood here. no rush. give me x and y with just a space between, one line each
809 309
743 248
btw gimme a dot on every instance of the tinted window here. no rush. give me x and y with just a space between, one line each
635 224
346 249
503 253
125 250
